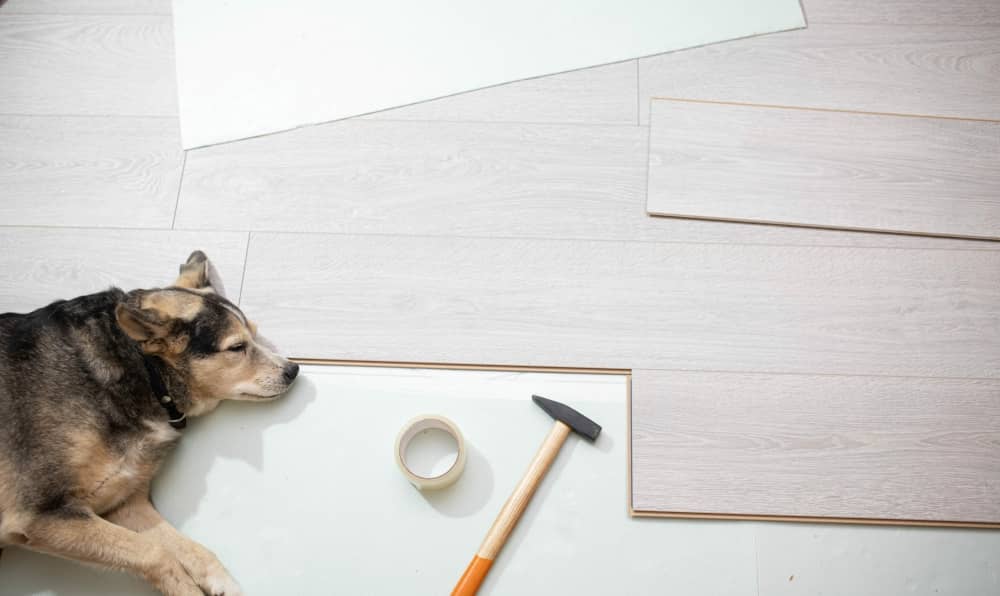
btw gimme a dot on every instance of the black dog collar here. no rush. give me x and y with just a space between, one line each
178 419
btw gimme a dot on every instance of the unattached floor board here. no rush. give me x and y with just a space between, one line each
883 448
824 168
865 317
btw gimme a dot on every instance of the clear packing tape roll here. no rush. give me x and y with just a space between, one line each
418 425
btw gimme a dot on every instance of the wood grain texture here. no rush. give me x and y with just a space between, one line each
839 446
630 305
89 171
44 264
457 179
83 64
927 70
904 12
821 168
601 95
105 7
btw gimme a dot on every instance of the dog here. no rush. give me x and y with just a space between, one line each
94 392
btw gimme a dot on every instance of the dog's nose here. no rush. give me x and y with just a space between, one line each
291 371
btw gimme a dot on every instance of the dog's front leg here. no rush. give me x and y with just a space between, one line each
139 515
83 536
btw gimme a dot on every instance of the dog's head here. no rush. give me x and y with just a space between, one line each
206 338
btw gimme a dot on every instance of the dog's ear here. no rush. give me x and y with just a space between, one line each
156 331
195 273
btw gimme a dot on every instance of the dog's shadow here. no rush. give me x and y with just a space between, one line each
234 431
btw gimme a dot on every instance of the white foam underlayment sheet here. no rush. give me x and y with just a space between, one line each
258 66
302 496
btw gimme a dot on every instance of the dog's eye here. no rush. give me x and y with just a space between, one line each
237 348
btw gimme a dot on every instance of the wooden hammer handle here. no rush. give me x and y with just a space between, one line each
511 512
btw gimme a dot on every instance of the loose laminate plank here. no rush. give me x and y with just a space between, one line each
825 168
730 307
927 70
89 171
829 446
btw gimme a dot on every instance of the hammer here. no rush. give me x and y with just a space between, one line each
567 419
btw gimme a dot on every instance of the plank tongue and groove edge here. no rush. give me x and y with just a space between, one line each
824 168
845 334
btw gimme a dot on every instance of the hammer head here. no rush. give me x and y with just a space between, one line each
579 423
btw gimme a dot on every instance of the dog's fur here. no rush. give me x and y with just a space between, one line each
82 433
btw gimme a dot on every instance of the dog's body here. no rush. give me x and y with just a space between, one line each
83 428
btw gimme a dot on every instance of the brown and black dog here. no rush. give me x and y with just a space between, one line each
93 392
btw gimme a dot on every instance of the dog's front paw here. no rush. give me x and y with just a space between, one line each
218 582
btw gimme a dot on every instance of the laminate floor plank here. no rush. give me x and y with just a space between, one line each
904 12
831 169
89 171
87 65
105 7
803 445
728 307
599 95
926 70
458 179
44 264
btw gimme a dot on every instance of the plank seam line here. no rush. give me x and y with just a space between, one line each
180 184
815 109
789 224
987 246
243 276
984 245
887 521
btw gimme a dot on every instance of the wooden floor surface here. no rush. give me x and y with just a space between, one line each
508 225
845 170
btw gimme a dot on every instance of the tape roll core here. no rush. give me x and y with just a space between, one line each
414 427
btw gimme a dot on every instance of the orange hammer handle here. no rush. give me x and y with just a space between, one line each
473 577
511 512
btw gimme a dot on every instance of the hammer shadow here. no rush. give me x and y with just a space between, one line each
605 443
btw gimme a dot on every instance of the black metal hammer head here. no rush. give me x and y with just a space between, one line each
570 417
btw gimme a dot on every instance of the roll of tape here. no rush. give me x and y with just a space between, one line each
411 430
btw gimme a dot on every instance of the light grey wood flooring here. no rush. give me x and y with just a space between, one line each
936 70
509 224
821 168
896 448
482 179
602 95
729 307
40 265
89 171
92 64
